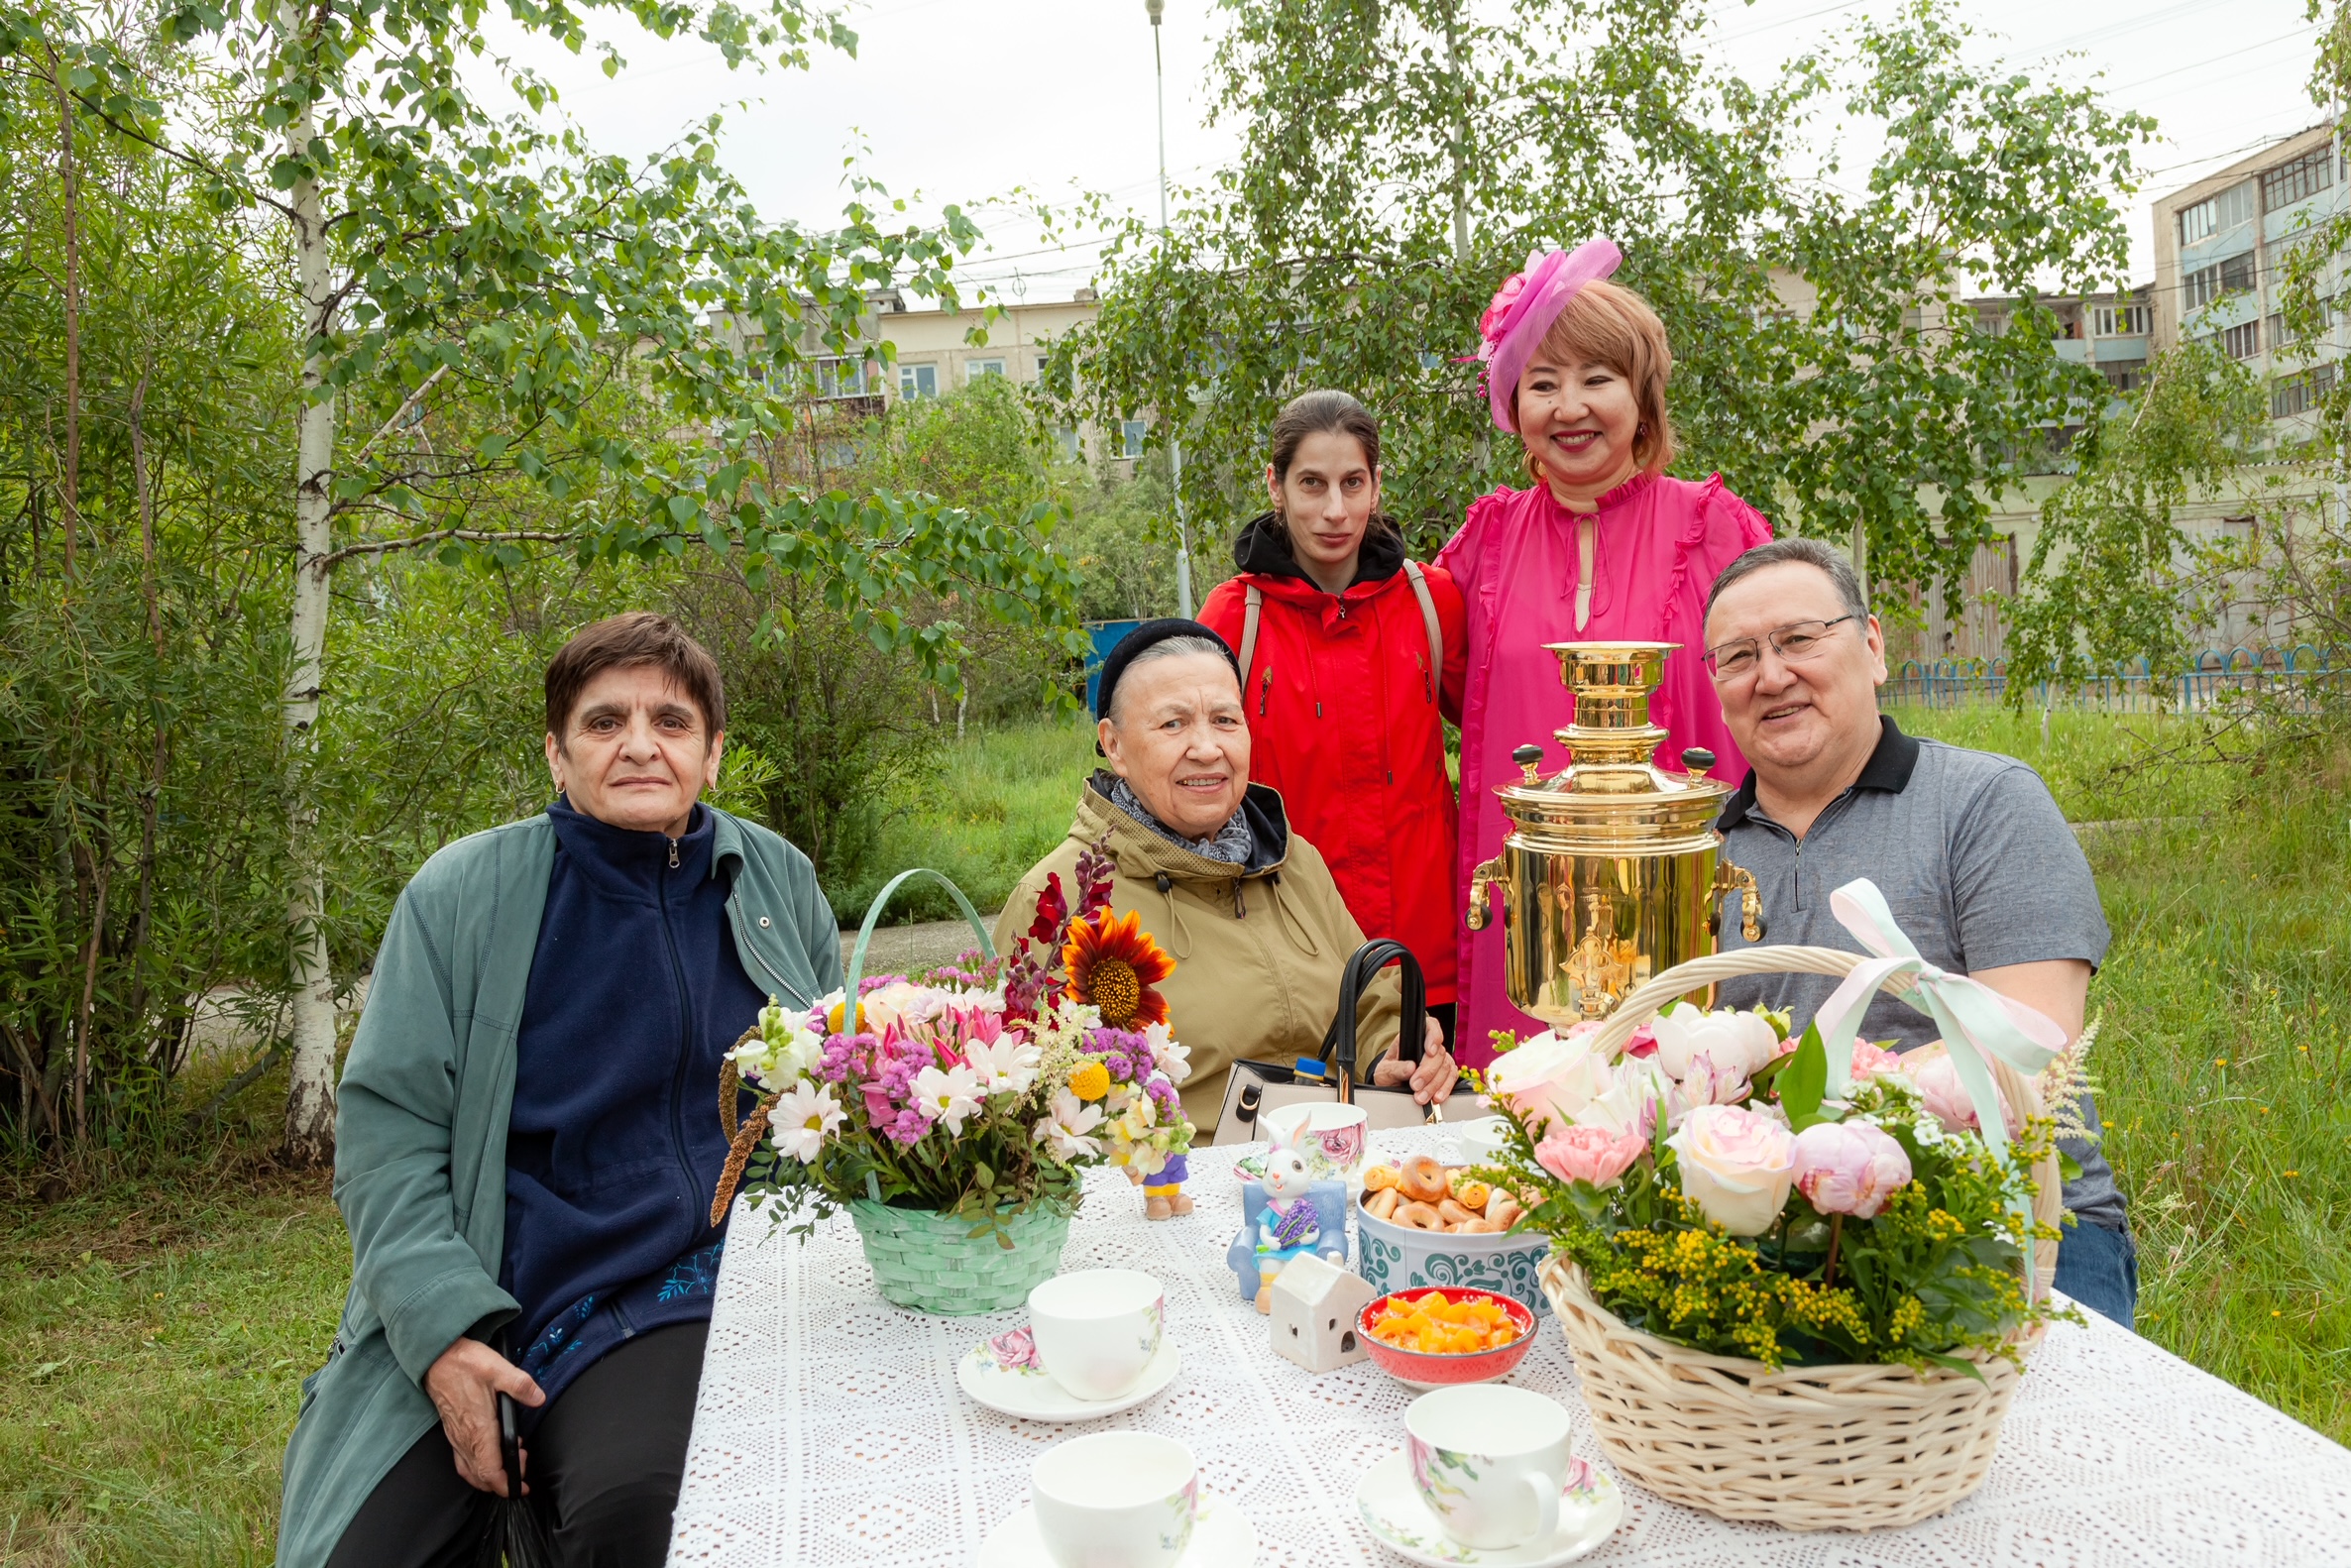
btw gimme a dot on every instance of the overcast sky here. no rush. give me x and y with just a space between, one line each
968 101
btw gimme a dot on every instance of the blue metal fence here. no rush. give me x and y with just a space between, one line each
2131 687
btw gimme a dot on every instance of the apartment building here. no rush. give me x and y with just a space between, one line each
2220 246
934 357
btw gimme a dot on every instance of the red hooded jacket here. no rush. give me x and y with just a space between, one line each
1345 721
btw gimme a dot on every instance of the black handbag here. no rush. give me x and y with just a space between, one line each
1258 1087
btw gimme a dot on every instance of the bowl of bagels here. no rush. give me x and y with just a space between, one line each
1422 1223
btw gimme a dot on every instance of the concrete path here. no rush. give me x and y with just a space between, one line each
906 950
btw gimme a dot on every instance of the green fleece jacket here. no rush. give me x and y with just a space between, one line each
420 1134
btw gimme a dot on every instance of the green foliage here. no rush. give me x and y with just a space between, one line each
1400 161
141 649
2114 576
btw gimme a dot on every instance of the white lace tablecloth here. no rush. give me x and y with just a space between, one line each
830 1431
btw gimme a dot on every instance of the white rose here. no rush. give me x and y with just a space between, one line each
1740 1043
1629 1103
1737 1166
1548 1078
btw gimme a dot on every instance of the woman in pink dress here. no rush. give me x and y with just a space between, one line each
1602 546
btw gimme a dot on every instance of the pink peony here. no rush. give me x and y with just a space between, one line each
1937 1079
1589 1154
1869 1060
1850 1168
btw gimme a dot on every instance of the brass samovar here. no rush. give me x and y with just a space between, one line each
1613 870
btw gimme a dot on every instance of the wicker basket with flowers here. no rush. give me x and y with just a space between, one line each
954 1113
1798 1272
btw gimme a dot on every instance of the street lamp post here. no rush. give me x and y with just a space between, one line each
1175 441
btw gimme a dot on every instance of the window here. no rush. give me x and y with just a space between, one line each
2242 343
918 380
2118 321
2124 375
2293 394
2230 277
1065 437
976 370
840 378
1132 443
2215 213
1043 360
2298 181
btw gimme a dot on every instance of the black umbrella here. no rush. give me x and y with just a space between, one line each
515 1537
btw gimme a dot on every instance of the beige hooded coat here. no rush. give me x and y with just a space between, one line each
1258 948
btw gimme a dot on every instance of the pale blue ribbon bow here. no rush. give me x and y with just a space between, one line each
1977 1022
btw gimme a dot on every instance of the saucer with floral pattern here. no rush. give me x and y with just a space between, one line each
1004 1375
1220 1538
1589 1510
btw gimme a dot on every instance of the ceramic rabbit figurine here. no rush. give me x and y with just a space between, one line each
1287 1227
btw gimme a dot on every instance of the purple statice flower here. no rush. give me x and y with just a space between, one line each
907 1127
1163 1093
1126 1054
874 982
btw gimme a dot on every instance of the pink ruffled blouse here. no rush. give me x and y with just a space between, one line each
1658 544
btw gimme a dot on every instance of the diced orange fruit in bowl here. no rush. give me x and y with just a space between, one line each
1435 1324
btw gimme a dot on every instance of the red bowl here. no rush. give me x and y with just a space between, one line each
1428 1369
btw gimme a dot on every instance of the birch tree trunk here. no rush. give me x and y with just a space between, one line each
311 1086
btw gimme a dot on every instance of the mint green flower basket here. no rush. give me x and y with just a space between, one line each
929 1261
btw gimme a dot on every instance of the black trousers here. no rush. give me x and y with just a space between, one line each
604 1467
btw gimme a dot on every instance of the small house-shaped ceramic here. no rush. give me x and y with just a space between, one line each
1314 1306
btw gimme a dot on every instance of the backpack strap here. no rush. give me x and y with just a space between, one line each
1428 621
1248 631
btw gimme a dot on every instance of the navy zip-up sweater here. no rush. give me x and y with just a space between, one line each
614 1144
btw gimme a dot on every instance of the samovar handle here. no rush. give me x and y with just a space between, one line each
1487 876
1729 878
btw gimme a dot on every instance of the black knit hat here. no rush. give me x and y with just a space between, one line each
1114 665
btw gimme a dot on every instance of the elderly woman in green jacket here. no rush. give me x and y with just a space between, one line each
526 1144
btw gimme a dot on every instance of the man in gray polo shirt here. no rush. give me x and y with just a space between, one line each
1975 861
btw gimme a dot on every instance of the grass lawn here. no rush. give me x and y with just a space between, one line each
153 1332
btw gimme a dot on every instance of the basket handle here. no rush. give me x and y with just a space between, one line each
1650 997
873 911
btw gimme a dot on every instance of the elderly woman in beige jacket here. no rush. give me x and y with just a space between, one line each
1244 906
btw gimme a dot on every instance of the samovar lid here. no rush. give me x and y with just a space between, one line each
1612 744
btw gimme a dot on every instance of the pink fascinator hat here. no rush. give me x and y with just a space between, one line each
1524 308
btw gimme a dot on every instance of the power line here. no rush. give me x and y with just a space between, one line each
2212 59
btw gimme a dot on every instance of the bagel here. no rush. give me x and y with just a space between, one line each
1422 1179
1503 1210
1417 1215
1383 1204
1453 1213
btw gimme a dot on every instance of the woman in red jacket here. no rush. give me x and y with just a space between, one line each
1351 657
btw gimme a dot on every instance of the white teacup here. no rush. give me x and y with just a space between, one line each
1096 1329
1490 1461
1483 1139
1337 1137
1116 1500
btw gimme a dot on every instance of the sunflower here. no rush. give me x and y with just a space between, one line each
1114 964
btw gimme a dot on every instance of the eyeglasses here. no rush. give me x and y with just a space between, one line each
1794 642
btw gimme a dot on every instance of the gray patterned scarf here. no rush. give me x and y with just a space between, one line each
1232 844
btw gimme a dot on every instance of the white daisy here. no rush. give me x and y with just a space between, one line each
802 1119
950 1097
